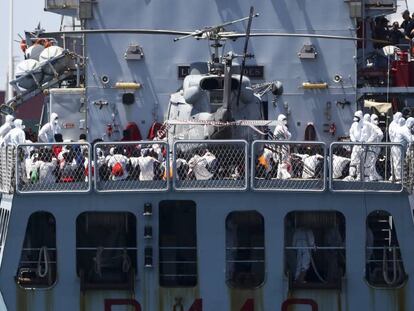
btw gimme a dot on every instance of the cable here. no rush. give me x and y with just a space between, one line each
126 261
98 261
43 252
385 266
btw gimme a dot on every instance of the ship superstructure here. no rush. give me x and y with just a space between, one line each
168 190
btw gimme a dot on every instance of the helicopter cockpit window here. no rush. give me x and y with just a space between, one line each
315 249
37 267
215 87
245 252
106 250
384 264
177 244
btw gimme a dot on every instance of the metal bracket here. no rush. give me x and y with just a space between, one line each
308 51
134 52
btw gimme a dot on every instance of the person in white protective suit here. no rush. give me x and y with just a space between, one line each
15 136
395 150
371 173
404 136
303 240
356 135
6 127
283 151
48 131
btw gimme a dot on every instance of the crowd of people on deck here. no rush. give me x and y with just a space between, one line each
395 34
360 165
69 161
145 162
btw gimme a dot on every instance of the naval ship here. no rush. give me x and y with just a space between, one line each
203 157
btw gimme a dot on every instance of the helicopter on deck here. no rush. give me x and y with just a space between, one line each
217 92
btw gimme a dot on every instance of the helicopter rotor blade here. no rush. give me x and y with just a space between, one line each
235 36
199 33
126 31
246 43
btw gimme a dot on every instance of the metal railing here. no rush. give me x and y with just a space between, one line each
173 268
201 165
53 168
366 167
210 165
288 166
408 178
131 166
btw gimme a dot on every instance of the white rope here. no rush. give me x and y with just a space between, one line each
43 252
385 266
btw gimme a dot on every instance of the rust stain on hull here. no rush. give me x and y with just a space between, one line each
167 298
238 297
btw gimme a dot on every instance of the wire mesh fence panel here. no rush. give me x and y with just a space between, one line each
210 165
408 179
7 169
57 167
288 166
366 167
132 166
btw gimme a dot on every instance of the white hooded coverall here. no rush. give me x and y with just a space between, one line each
283 151
6 127
371 173
397 121
405 137
16 136
355 134
48 131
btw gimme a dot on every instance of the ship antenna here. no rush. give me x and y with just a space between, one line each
11 65
245 55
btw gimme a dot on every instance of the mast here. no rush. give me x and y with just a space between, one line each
10 70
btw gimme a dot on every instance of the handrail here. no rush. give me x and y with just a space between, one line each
135 173
235 178
54 168
363 159
290 176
